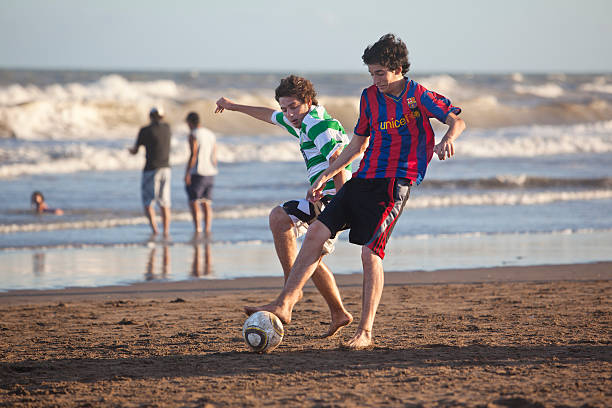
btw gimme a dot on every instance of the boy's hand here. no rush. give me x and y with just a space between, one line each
315 192
444 149
222 104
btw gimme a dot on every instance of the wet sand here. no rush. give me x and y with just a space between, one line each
502 337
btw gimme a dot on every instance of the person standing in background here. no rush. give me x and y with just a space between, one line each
155 184
200 172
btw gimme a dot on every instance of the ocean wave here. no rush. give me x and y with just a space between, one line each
114 108
600 84
478 234
241 212
507 198
19 158
113 222
23 159
537 140
519 181
549 90
257 242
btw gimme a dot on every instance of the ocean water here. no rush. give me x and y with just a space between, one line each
531 181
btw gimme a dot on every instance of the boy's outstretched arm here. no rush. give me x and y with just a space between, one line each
446 147
258 112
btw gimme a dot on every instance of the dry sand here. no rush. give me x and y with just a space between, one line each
502 337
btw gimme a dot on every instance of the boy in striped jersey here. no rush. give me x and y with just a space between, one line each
322 139
394 133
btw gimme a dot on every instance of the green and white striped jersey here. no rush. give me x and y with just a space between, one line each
320 136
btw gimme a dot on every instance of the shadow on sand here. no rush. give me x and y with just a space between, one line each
238 363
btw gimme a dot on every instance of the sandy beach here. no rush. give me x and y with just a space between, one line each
502 337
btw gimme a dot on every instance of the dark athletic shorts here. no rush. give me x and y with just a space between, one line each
303 213
369 208
200 188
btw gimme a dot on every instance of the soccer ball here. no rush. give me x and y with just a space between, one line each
263 332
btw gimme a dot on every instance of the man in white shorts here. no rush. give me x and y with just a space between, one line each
322 139
155 184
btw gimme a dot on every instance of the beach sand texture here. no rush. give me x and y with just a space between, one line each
505 337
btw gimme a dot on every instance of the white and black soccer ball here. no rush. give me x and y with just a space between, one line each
263 332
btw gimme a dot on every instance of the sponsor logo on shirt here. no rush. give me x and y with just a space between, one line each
403 121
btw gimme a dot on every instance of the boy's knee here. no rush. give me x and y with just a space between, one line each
369 256
279 219
317 231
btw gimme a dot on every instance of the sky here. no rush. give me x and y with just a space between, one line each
469 36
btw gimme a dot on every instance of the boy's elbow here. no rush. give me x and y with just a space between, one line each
461 124
363 148
457 124
360 144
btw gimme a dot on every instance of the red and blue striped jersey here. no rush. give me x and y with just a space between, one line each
401 137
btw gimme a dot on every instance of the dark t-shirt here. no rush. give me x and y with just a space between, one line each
156 140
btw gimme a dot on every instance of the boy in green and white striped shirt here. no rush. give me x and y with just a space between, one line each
322 139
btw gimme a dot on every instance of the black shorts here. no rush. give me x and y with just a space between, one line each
305 211
369 208
200 188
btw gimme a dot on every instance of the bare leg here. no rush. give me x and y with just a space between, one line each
325 282
165 211
207 210
284 239
373 283
195 215
150 213
305 265
286 249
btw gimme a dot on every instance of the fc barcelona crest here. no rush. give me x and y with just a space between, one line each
412 103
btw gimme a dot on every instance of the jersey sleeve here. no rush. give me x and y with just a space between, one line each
278 118
437 106
362 128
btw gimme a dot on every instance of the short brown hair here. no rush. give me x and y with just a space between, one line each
298 87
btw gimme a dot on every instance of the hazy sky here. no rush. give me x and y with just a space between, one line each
305 36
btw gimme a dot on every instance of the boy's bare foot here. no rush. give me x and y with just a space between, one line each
282 314
361 341
338 323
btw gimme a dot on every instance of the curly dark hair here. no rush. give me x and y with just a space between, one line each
389 51
298 87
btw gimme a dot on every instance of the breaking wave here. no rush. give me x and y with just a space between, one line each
19 158
113 107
